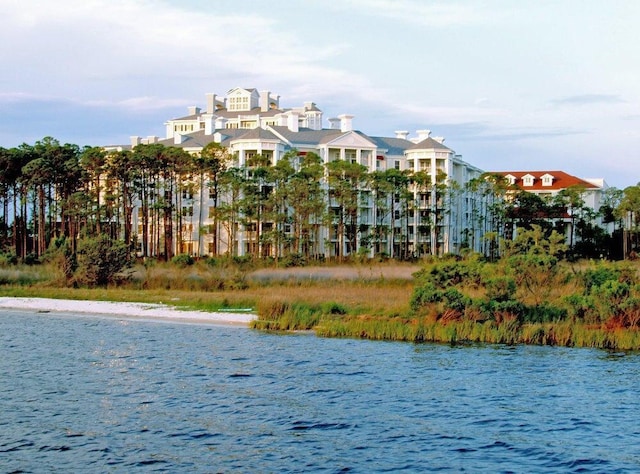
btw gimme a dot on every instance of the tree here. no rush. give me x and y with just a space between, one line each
532 258
629 209
228 212
307 202
100 259
572 198
122 188
211 163
398 185
93 160
345 180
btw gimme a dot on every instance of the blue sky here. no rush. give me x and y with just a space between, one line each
511 85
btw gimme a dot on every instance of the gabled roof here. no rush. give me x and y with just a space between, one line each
429 144
561 180
224 113
191 140
256 134
307 136
393 146
254 111
187 117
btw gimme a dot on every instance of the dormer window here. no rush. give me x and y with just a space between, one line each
527 180
511 179
547 179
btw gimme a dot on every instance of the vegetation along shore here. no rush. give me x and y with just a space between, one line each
531 295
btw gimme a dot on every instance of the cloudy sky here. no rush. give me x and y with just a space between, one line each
511 84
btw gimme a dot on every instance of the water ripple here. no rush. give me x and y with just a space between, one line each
144 397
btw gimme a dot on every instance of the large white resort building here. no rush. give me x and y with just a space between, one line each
249 122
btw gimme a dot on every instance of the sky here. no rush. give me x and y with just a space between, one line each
510 84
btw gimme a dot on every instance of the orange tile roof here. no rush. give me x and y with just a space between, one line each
561 180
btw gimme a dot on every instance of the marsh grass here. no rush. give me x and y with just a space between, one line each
361 302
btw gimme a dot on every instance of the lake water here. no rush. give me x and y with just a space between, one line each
89 394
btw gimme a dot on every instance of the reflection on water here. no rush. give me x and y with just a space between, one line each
88 394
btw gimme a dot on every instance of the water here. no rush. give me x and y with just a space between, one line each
82 394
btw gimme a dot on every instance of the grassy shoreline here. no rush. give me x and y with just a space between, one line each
371 302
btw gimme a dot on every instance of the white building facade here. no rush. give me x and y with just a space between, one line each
439 218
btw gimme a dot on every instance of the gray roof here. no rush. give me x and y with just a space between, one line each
393 146
191 140
256 133
429 144
224 113
307 136
188 117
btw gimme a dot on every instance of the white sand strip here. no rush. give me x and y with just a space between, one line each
125 310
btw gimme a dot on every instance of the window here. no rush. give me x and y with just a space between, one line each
527 180
396 164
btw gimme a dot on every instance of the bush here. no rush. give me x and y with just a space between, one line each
333 308
500 288
544 313
7 259
294 260
100 259
183 260
424 295
31 259
593 278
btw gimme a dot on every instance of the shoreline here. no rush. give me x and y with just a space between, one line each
132 311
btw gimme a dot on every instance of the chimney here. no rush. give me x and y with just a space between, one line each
403 134
211 103
209 122
439 140
309 105
423 134
135 140
193 110
152 139
178 139
264 101
334 123
292 121
346 122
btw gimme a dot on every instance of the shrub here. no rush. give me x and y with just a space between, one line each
100 259
455 300
596 277
333 308
500 288
544 313
31 259
183 260
294 260
7 259
425 295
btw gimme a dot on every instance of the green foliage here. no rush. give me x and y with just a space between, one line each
424 295
294 260
183 260
500 288
595 277
449 272
8 259
332 307
100 259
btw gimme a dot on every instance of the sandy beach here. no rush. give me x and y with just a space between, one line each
144 311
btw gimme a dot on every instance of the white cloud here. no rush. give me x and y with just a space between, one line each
434 14
139 46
